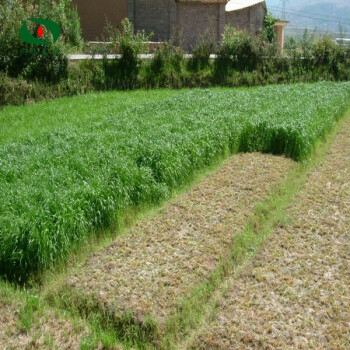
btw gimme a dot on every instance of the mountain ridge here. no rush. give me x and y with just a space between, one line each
325 15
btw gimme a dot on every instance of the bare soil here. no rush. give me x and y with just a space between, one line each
296 292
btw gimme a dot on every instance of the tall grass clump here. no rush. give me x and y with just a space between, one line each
61 185
165 68
200 59
239 51
123 73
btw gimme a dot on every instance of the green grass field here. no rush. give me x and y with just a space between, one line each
68 167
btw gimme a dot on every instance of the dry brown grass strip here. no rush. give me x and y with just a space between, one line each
296 292
48 330
164 256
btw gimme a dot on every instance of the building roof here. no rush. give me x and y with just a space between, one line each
205 1
281 23
234 5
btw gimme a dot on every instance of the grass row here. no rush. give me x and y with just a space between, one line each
62 185
298 217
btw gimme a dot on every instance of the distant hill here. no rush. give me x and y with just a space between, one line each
324 15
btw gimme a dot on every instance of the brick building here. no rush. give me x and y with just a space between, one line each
168 18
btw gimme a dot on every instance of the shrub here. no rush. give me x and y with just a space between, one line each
19 91
83 77
41 62
47 63
307 43
165 69
11 91
110 71
326 55
64 13
239 51
11 17
86 75
268 27
344 66
201 56
317 57
125 70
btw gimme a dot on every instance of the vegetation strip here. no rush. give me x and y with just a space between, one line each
295 293
61 187
146 273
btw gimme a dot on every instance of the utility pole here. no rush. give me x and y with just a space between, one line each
283 8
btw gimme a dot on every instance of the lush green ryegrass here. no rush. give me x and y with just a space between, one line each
60 185
34 120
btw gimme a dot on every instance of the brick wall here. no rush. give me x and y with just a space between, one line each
93 14
250 18
165 18
152 16
197 19
257 15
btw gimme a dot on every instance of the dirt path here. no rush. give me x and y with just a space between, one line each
164 256
296 292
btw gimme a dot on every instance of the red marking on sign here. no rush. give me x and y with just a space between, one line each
40 32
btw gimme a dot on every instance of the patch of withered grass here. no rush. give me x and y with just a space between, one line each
295 294
146 273
26 324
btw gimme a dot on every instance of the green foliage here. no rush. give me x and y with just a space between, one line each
48 64
344 64
123 72
318 57
11 18
63 182
85 76
239 51
326 54
201 56
164 69
66 15
307 43
268 27
131 45
33 62
290 44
